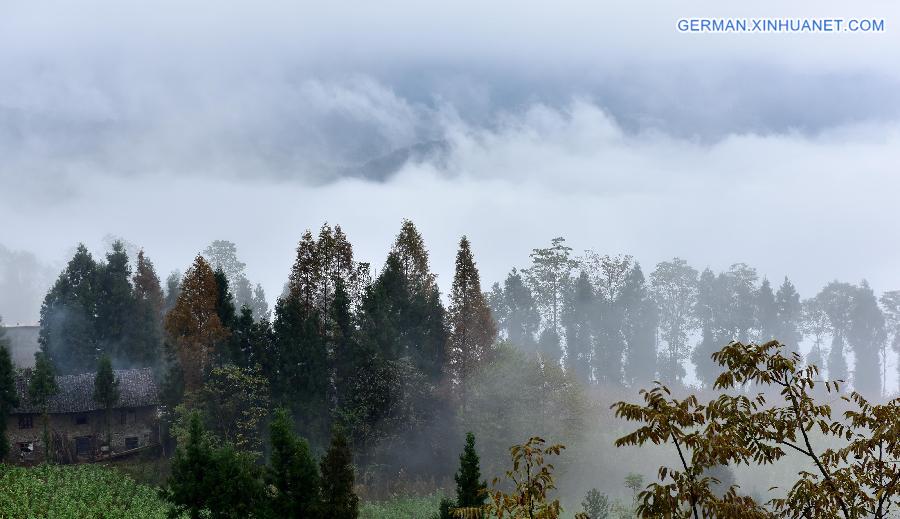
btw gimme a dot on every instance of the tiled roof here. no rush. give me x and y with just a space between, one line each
76 392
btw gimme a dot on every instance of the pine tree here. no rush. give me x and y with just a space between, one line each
292 472
9 399
147 335
837 302
471 490
674 285
338 499
346 356
42 388
193 325
472 328
189 485
106 391
68 335
173 290
516 312
224 299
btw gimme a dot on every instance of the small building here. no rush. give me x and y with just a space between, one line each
77 423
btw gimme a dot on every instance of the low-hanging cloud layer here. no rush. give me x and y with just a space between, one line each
511 123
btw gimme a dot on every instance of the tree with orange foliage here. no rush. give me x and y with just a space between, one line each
193 324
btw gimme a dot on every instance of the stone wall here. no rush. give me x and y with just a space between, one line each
139 425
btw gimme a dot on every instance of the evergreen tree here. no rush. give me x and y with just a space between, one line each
890 302
767 313
258 304
251 342
639 327
189 487
471 490
549 275
516 312
292 472
788 315
147 336
224 299
867 335
346 356
549 347
338 499
173 290
193 325
579 307
9 399
106 391
115 316
814 322
472 328
42 388
68 335
710 305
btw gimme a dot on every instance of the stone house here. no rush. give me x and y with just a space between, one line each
77 423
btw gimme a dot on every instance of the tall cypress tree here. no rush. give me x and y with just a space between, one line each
516 312
639 325
8 397
867 335
788 315
292 472
576 319
767 314
338 499
472 328
471 491
106 391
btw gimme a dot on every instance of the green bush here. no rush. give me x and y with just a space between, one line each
75 491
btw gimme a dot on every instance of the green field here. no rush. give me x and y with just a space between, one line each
75 491
401 508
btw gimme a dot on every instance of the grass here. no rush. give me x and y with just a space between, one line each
75 491
407 507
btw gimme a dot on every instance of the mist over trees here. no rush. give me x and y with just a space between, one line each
399 371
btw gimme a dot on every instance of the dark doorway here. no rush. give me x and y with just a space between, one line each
83 446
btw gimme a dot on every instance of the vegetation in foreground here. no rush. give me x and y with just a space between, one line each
75 491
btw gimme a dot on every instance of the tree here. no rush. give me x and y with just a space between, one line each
767 312
338 499
472 328
578 311
68 335
222 255
814 321
147 338
515 310
471 491
548 277
711 304
634 482
595 504
837 302
9 399
890 302
194 325
674 288
610 274
210 481
42 388
235 402
855 477
106 391
292 472
867 336
115 310
639 324
532 481
788 313
173 290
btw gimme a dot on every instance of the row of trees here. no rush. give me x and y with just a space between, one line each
610 324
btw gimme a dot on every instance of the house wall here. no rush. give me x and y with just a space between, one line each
143 425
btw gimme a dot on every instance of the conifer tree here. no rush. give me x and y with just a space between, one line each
549 276
472 328
338 499
292 472
674 286
767 314
147 337
788 315
42 388
68 335
471 490
516 312
867 335
189 485
106 391
114 320
193 325
224 299
9 399
837 302
346 356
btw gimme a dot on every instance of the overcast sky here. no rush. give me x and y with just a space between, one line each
172 124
